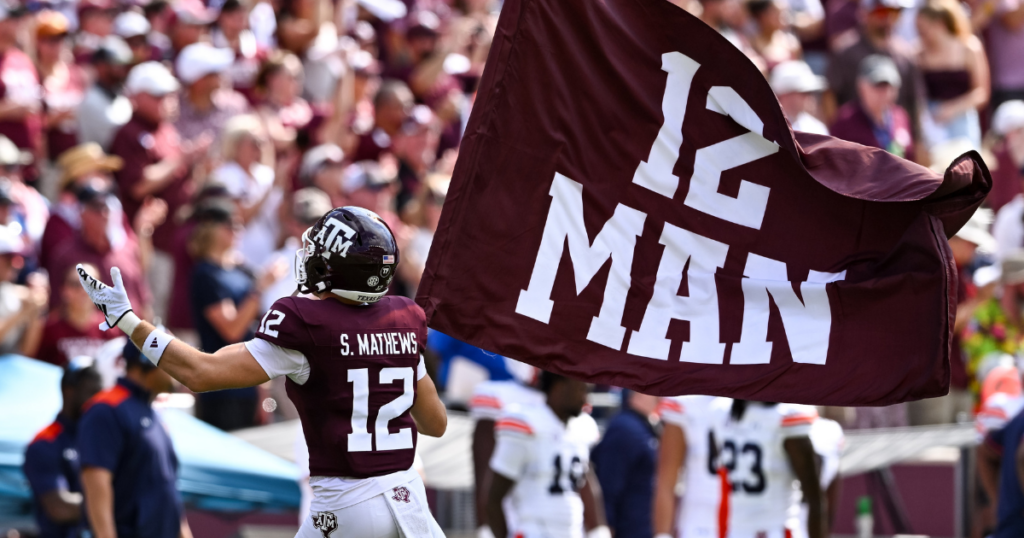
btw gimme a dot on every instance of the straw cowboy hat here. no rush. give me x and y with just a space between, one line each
85 159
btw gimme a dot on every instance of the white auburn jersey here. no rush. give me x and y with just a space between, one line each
698 417
491 398
996 411
765 497
548 461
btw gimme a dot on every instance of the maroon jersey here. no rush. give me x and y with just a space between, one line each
356 404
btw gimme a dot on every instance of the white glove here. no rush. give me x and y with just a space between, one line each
599 532
484 531
113 302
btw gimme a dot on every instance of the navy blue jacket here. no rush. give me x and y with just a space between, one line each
625 461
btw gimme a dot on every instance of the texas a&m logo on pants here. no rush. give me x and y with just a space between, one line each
325 522
402 495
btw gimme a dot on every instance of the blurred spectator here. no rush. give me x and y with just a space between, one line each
797 87
129 468
415 146
225 305
807 21
51 461
1006 144
875 119
160 17
188 25
133 27
207 205
30 208
77 166
252 184
391 106
283 110
20 119
728 16
771 38
21 307
105 107
92 244
990 332
424 213
371 185
73 329
308 205
955 71
95 22
157 162
205 106
232 32
875 38
625 461
322 168
63 83
1005 41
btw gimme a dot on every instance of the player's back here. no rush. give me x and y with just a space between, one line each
549 469
765 494
355 398
698 416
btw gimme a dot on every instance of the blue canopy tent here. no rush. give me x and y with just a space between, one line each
218 472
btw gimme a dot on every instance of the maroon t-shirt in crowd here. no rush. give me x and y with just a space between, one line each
19 82
854 125
126 256
62 341
360 358
61 93
142 143
1006 178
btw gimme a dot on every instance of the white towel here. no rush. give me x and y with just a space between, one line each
409 506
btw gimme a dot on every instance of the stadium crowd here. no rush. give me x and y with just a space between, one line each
191 144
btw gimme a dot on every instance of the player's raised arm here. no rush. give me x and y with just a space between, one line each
229 368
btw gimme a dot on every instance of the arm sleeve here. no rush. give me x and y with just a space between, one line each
672 411
421 369
278 361
42 468
511 453
797 420
100 438
485 404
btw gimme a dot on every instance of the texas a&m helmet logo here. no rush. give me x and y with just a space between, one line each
402 495
325 522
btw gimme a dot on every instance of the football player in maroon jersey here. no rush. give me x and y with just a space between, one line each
354 370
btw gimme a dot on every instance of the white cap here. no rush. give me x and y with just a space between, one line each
1008 117
131 24
976 230
200 59
795 76
385 10
152 78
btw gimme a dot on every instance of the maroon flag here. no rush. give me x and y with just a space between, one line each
630 207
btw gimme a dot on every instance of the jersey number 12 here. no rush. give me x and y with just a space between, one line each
361 440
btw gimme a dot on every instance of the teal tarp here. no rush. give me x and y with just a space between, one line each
218 471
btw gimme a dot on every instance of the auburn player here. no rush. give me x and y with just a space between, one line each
688 452
541 459
828 440
767 453
490 400
352 360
